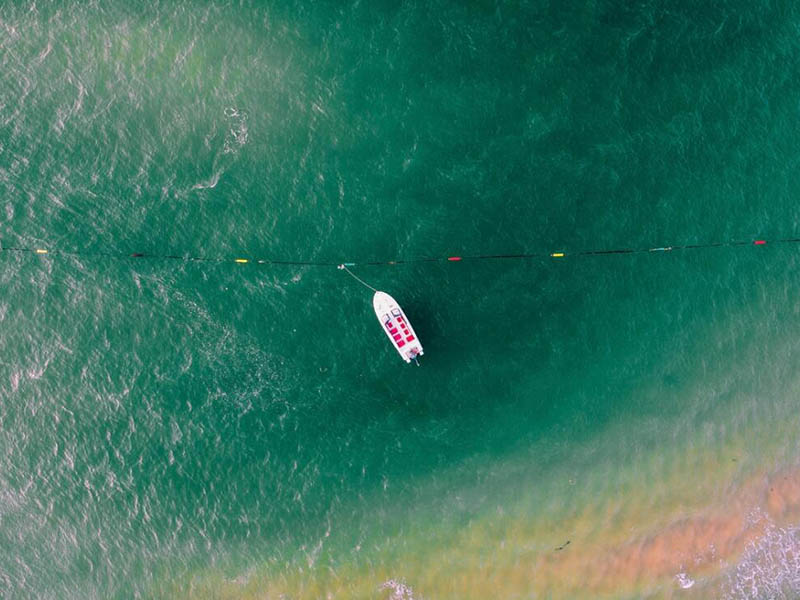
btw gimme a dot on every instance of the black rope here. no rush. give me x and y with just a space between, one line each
311 263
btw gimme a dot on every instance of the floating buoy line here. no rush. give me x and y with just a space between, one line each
142 256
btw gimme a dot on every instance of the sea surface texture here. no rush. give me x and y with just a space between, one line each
615 426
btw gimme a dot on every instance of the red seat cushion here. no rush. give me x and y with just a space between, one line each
410 338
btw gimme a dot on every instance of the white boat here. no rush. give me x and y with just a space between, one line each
396 326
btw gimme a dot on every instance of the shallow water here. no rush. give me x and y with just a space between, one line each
204 431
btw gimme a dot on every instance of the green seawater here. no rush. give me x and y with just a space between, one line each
183 429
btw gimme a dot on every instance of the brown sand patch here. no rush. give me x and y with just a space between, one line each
782 496
696 543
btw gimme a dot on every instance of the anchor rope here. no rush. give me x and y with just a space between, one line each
357 278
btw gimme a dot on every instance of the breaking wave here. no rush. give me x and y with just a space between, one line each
769 568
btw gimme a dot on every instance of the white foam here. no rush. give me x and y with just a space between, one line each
208 184
43 54
399 590
15 381
238 133
684 581
769 567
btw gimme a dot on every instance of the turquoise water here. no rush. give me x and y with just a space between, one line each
180 429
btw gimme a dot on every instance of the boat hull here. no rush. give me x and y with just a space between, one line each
396 326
